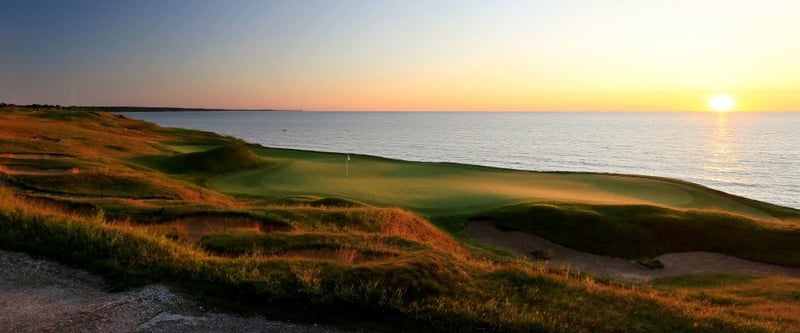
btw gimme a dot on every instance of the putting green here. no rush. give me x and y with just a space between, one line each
448 189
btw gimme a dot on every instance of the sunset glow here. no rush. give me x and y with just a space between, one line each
721 103
409 55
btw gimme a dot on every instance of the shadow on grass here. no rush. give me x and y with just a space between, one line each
640 231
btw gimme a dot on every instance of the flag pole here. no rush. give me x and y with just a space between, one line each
347 166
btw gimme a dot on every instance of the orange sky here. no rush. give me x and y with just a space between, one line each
621 55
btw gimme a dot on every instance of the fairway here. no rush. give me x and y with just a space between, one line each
450 189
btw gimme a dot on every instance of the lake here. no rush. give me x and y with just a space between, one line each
755 155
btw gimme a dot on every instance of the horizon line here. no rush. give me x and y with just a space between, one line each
260 109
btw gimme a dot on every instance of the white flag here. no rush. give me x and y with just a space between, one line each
348 157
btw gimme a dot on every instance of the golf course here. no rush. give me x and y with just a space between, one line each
369 243
451 189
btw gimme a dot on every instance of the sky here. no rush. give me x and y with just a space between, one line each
439 55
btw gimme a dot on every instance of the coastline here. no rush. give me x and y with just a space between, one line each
412 137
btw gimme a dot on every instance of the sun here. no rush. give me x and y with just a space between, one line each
721 103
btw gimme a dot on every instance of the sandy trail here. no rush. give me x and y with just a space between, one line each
675 264
42 296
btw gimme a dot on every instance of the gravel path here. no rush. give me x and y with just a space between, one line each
675 264
42 296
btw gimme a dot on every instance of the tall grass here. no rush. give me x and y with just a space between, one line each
424 289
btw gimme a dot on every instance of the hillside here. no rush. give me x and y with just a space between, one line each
286 234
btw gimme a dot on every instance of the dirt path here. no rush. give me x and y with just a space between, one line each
674 263
42 296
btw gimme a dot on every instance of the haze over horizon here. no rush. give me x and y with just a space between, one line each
410 55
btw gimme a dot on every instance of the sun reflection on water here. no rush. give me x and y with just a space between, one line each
721 152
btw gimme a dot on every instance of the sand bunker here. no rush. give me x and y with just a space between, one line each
675 264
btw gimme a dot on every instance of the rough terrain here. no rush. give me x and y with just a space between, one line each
43 296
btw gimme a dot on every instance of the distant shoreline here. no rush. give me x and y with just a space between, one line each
185 109
134 108
170 109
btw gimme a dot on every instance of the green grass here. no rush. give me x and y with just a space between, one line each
216 160
192 148
441 189
322 202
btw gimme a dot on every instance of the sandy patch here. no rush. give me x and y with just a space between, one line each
675 264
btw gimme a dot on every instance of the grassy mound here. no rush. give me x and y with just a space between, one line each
335 202
229 158
647 231
315 201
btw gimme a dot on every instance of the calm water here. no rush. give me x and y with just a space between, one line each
756 155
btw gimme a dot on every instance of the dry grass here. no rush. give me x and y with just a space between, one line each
515 295
401 223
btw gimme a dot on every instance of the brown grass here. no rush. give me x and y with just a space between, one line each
401 223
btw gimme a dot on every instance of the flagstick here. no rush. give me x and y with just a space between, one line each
347 166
